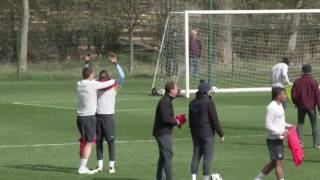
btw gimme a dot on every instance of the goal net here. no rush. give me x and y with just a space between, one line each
234 50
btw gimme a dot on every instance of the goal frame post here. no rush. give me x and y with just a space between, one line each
187 91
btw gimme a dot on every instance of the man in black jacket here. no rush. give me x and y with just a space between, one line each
204 123
162 130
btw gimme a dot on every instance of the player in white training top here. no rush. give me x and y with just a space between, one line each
86 119
105 116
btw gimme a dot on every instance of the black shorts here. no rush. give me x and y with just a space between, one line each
105 127
87 127
276 149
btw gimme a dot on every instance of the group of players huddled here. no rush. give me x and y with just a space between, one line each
95 114
96 123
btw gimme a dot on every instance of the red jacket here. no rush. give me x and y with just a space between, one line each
295 147
305 93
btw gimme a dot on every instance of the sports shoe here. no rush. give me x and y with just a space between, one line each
112 170
86 171
99 169
316 146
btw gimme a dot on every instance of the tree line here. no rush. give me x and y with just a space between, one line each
45 30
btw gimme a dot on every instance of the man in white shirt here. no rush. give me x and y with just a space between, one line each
276 132
279 76
105 116
86 119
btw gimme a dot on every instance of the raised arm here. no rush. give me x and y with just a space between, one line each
87 60
120 72
121 75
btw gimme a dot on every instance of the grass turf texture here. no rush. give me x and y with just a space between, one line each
241 157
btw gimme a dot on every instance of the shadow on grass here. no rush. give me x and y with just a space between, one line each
47 168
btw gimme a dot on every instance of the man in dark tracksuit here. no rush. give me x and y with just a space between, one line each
204 122
162 130
306 96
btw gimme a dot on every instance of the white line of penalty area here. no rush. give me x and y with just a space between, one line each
117 110
120 142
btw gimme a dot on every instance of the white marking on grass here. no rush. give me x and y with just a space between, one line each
118 110
42 106
74 101
69 108
120 142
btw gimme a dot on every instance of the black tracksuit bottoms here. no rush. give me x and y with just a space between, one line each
202 147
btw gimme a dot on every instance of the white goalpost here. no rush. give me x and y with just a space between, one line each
234 50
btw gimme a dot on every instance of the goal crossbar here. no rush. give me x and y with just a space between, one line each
185 14
273 11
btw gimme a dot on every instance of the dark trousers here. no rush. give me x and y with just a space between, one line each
202 147
105 131
165 157
111 148
313 120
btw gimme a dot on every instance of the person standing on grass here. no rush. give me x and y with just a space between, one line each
306 96
195 53
204 123
279 76
277 130
86 110
162 130
105 116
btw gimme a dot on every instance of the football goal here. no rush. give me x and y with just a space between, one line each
234 50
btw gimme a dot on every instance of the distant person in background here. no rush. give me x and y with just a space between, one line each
87 60
279 76
306 96
277 130
194 53
171 51
204 123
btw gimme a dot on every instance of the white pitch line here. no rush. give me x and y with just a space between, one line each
118 110
68 108
120 142
42 106
74 101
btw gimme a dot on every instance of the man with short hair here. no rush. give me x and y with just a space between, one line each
277 130
162 130
86 119
279 76
306 96
204 123
105 116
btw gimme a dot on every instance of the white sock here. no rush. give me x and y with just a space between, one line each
194 177
83 163
111 164
282 179
260 176
100 163
206 177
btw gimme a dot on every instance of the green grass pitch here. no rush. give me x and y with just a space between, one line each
42 113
